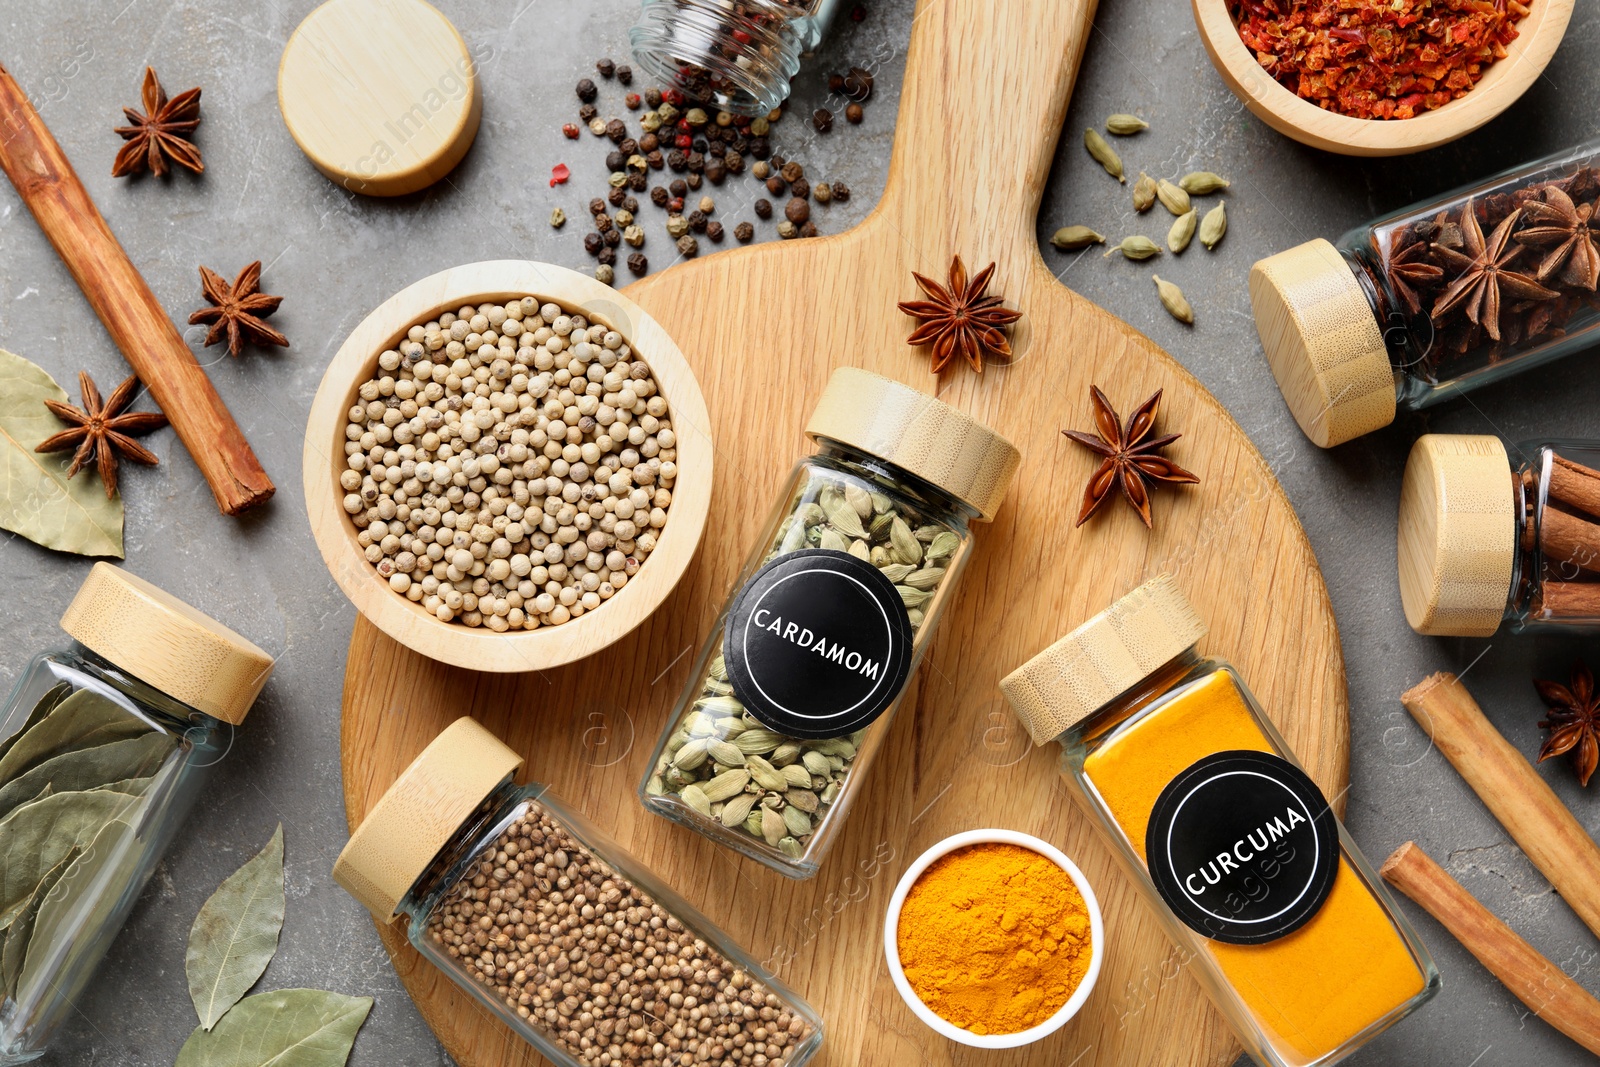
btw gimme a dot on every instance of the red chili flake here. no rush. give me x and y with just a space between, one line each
559 174
1377 59
571 131
741 36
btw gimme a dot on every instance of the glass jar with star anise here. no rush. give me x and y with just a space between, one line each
792 693
1435 299
1494 534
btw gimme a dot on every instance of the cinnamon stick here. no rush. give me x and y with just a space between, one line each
1568 542
1512 790
150 342
1535 981
1567 600
1575 485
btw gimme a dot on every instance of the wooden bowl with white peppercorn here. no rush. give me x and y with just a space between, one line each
462 501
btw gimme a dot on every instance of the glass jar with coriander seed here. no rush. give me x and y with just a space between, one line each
1492 536
1436 299
106 745
793 692
738 56
553 927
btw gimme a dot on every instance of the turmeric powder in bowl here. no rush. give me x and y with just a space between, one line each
994 937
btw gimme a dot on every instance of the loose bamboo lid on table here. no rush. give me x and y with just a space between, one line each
381 95
1458 535
412 822
167 644
1103 658
918 434
1323 342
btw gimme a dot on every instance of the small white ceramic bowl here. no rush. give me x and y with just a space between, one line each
891 938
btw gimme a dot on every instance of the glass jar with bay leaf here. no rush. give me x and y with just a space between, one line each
106 746
555 929
792 694
1435 299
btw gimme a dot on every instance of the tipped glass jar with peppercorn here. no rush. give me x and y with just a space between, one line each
554 928
106 746
792 694
738 56
1436 299
1489 536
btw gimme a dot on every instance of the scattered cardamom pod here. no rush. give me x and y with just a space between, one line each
1182 231
1214 226
1072 238
1125 125
1103 154
1202 182
1136 247
1172 198
1144 192
1173 300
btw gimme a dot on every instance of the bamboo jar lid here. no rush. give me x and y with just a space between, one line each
1103 658
918 434
167 644
1458 535
381 95
1324 343
419 814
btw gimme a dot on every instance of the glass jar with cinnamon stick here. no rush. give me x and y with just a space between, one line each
1435 299
1491 535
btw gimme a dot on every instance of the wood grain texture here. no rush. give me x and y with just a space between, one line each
1538 36
763 328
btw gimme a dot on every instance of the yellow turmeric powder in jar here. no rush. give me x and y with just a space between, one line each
1234 845
994 938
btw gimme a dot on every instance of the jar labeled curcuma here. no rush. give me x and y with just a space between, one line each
793 692
1436 299
554 928
1491 536
106 746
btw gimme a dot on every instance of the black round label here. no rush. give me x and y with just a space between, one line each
1243 847
817 644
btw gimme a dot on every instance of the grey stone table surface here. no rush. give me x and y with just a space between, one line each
334 256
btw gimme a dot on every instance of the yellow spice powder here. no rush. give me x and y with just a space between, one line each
994 938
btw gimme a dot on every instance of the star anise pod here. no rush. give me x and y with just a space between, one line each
1573 720
1130 459
157 134
1409 269
1565 229
238 310
1483 275
960 319
101 431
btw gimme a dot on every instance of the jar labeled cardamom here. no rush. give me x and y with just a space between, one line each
106 746
793 691
554 928
1286 926
1435 299
1490 536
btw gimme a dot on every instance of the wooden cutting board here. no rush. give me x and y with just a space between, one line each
763 327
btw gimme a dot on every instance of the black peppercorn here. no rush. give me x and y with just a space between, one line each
616 197
699 145
858 84
616 129
592 243
734 162
612 237
760 147
763 208
778 161
715 170
777 186
841 192
655 160
792 171
602 222
808 229
800 187
597 206
607 255
630 205
853 114
615 160
588 113
605 67
822 120
638 182
628 146
679 188
587 91
649 143
677 159
740 144
638 263
694 181
652 97
696 220
714 231
625 74
797 211
697 162
835 83
744 231
659 196
688 247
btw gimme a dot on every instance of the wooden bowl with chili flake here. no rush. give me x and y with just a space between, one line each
1503 81
472 644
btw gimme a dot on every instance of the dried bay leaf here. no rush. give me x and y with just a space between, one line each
236 934
86 897
38 835
37 499
20 932
284 1028
90 768
84 719
47 703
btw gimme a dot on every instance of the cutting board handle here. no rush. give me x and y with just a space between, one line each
975 136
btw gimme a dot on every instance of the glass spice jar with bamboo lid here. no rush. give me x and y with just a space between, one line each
554 928
1287 928
1492 536
1435 299
106 746
793 691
